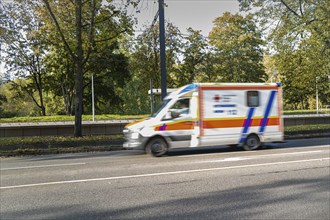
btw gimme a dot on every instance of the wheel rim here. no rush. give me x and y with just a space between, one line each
252 142
157 147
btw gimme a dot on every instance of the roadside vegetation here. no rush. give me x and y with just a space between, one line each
306 112
16 146
58 118
307 131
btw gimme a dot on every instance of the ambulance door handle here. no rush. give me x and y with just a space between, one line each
188 122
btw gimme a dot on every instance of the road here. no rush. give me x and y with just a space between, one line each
281 181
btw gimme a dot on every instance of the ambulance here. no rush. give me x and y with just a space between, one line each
211 114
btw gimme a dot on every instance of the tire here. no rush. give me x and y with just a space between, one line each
252 142
157 147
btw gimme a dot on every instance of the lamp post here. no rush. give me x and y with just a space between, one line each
317 96
151 98
274 74
93 109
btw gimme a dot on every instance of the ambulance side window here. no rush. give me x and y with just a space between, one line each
252 98
178 110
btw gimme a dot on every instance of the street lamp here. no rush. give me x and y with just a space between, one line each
317 96
274 74
93 108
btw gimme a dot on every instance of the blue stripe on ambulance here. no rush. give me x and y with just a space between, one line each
189 88
267 112
247 125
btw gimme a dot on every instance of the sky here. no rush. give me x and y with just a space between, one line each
198 14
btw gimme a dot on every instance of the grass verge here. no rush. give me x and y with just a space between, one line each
305 112
57 118
307 131
17 146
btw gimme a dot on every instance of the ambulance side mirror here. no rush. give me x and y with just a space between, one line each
168 116
174 114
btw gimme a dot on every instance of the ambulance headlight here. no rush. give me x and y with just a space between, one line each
135 135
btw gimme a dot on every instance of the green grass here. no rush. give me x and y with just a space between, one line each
57 140
306 128
304 112
57 118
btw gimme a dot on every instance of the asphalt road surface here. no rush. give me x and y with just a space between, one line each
281 181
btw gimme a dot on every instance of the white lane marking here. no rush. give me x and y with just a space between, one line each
161 174
258 156
235 159
245 152
44 166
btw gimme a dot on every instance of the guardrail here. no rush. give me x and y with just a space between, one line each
115 126
61 128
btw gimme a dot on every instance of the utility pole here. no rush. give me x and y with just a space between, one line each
151 98
317 96
162 47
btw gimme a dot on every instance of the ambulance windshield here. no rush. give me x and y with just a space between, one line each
161 106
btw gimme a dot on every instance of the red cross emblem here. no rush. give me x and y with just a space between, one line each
216 98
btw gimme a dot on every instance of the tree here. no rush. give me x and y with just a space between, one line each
145 60
90 23
297 35
238 47
60 80
23 52
194 57
145 54
15 101
110 68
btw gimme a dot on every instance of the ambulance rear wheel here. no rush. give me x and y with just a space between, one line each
252 142
157 147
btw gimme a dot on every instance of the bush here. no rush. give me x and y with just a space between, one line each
5 114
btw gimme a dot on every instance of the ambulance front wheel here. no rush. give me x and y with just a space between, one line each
252 142
157 147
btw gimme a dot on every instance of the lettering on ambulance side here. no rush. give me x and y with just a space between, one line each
223 105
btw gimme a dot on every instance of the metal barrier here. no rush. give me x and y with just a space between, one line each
115 126
61 128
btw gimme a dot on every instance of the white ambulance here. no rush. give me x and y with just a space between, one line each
211 114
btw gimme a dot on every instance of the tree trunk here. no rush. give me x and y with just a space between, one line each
43 109
79 73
